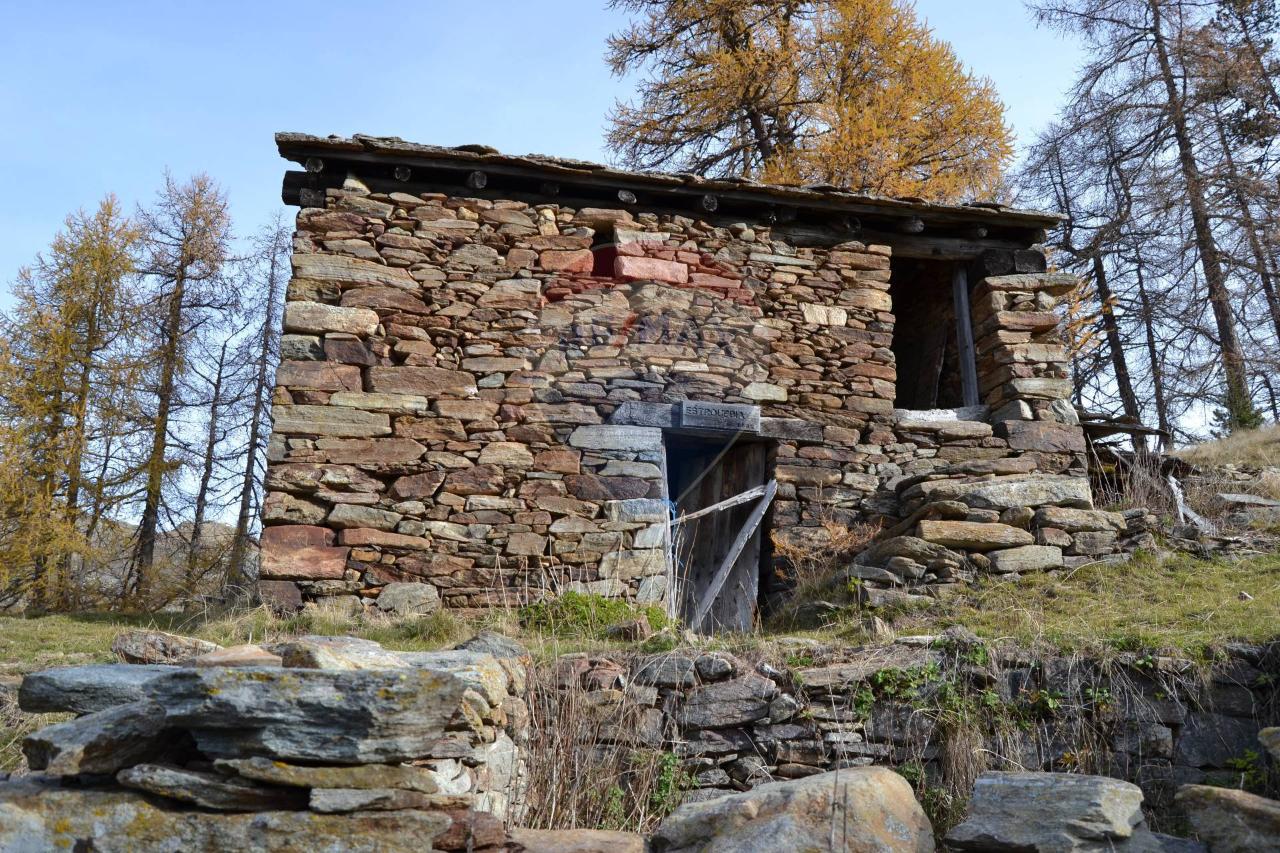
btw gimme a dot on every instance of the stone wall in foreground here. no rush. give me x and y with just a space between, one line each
934 706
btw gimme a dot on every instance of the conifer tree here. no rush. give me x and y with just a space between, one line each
855 93
187 246
64 366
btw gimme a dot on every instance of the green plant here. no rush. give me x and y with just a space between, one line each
1044 703
613 808
659 643
1252 770
1099 698
800 660
580 615
669 784
912 771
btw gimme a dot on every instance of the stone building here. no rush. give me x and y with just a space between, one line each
504 378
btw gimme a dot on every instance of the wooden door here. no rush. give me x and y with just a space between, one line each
703 474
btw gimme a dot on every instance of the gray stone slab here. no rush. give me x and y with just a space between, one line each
85 689
98 743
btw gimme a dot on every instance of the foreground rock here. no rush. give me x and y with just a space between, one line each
862 809
36 816
1056 813
340 717
102 742
311 736
1231 821
574 841
85 689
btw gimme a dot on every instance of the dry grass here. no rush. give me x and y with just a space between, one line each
1183 605
31 644
1257 448
810 568
594 760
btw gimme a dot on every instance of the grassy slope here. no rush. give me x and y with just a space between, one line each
1257 448
1179 606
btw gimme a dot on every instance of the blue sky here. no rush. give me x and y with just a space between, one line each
101 97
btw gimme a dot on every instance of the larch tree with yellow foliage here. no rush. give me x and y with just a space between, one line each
855 93
63 378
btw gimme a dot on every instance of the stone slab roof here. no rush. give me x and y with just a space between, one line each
298 147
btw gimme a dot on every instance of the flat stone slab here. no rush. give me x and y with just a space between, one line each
973 535
1048 813
1033 490
37 816
1027 558
208 790
102 742
1248 500
738 702
85 689
344 800
313 715
363 776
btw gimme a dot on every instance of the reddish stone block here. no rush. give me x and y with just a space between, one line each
577 260
301 552
713 281
476 480
590 487
417 485
370 451
383 299
650 269
558 461
348 351
280 596
358 536
318 376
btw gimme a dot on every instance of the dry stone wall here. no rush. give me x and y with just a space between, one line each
472 393
331 742
932 706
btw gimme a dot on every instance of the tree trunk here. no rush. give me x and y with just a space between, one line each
144 554
1124 383
236 569
1238 403
1157 369
1261 262
206 472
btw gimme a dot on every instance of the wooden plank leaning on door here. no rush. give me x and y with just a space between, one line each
740 542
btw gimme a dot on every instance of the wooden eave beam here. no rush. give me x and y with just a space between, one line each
840 219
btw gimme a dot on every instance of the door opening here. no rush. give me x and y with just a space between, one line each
722 491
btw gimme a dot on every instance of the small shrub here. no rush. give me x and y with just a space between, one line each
584 616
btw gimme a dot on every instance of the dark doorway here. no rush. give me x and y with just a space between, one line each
700 474
925 344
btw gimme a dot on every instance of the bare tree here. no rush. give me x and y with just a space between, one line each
188 234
